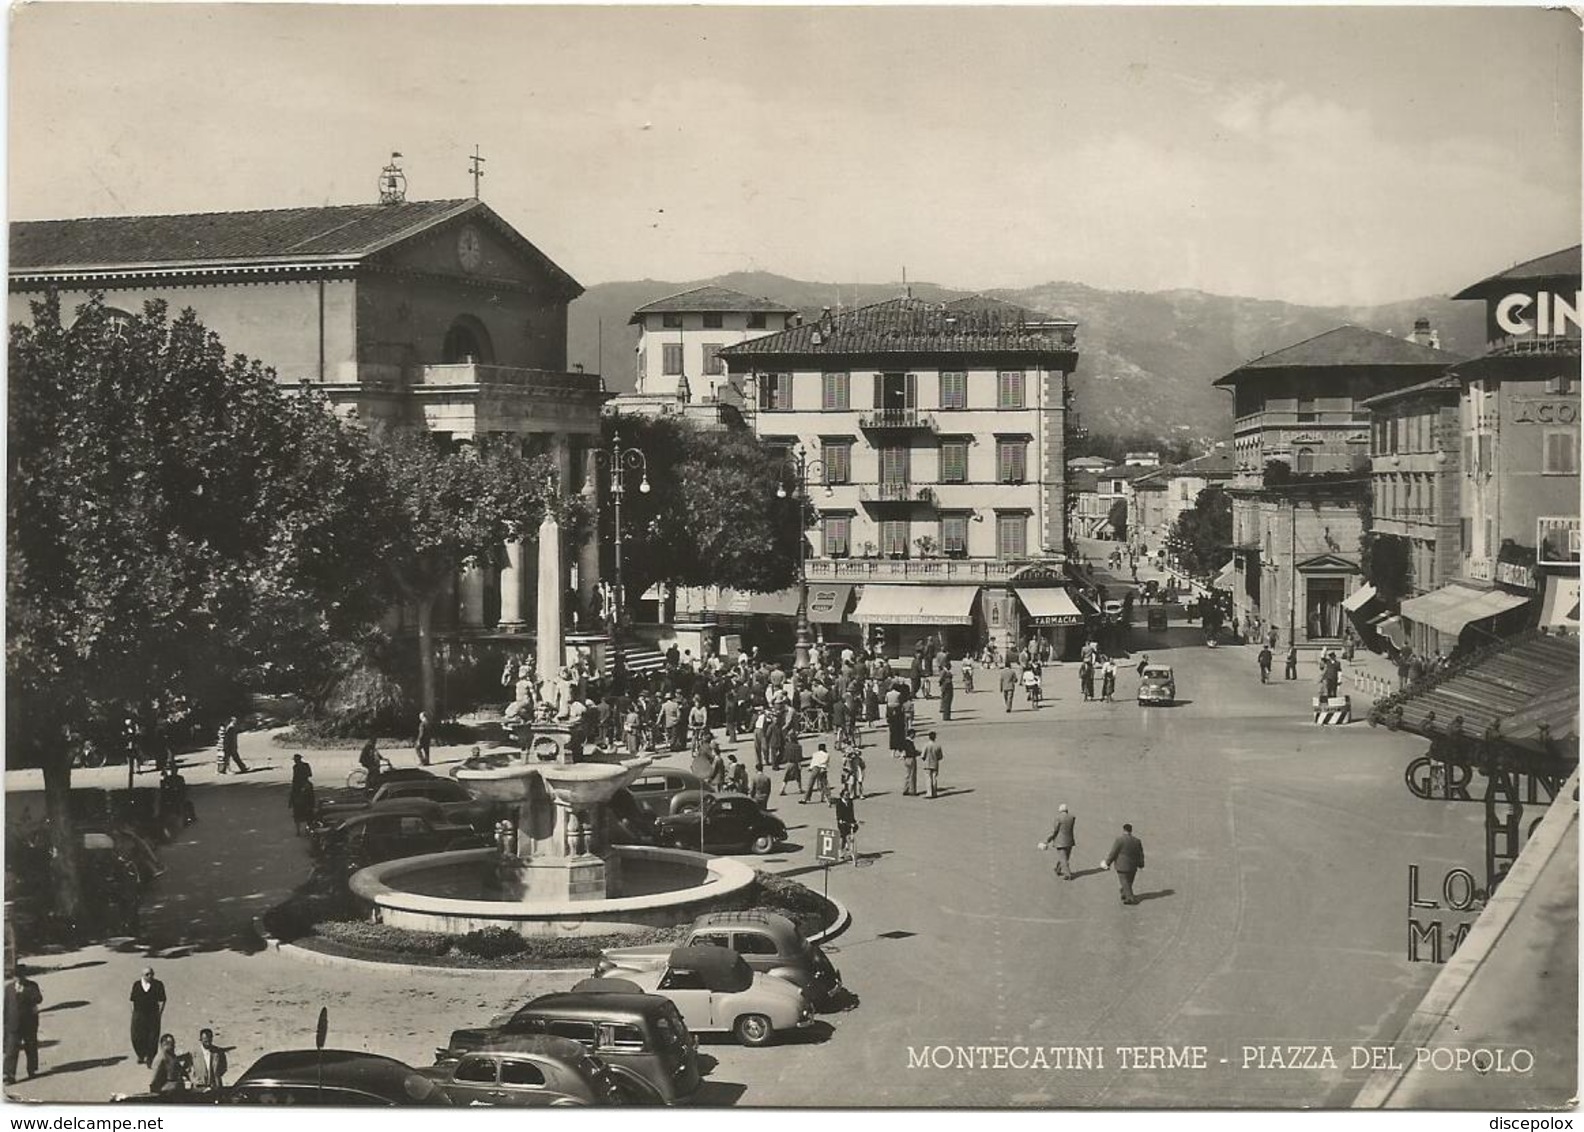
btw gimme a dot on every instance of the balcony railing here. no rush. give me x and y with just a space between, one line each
921 569
472 373
896 493
889 419
1556 345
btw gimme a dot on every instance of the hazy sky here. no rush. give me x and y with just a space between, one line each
1324 155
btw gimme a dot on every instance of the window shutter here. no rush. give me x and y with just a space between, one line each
828 395
912 391
879 390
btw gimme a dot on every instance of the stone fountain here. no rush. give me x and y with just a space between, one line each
552 869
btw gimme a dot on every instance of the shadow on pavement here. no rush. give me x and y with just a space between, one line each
72 1005
43 969
79 1066
1158 894
952 791
718 1094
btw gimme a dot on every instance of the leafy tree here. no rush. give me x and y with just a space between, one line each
712 515
1387 564
174 515
1203 533
1117 517
455 503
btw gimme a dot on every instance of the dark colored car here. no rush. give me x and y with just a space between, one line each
450 795
771 944
398 830
530 1071
334 1077
640 1037
733 823
666 791
628 823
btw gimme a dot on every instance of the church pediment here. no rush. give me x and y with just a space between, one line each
478 247
1327 564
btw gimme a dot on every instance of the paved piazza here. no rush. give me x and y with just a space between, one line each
1273 912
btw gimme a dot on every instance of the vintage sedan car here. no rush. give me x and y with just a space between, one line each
403 829
450 795
1157 685
333 1077
530 1071
769 943
666 791
640 1037
733 823
717 992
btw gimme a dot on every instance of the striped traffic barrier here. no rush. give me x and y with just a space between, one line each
1333 709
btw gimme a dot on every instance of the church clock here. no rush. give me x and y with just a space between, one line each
470 249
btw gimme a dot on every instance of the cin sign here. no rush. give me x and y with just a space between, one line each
1544 313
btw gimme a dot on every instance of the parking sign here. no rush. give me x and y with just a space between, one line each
825 847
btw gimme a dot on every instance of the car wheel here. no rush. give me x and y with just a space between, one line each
764 843
753 1030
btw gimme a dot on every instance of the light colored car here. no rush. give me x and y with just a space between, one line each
717 992
1113 609
1157 685
531 1071
770 944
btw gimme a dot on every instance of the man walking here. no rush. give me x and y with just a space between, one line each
421 744
208 1064
846 824
1292 661
1062 839
1127 855
819 772
1265 659
946 690
148 1007
933 753
1009 682
22 1000
228 755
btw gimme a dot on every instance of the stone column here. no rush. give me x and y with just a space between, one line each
588 550
472 583
549 651
511 585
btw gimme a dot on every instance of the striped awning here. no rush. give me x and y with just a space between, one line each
916 605
1451 609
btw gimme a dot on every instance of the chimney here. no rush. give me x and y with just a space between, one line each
1423 335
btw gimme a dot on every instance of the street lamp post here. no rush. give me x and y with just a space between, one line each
803 467
619 460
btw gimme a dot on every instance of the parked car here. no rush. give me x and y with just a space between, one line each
1157 685
532 1071
1113 609
399 830
628 823
450 795
769 943
666 791
640 1037
733 823
334 1077
717 992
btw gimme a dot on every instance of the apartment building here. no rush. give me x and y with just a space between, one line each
934 441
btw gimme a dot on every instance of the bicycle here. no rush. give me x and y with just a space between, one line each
814 720
357 778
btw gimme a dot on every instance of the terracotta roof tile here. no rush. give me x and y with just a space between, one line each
1564 264
1345 346
710 298
913 326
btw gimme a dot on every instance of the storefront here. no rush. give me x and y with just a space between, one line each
1053 616
1464 614
898 617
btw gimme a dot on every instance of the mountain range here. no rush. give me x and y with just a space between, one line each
1146 359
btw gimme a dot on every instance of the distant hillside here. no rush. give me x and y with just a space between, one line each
1146 360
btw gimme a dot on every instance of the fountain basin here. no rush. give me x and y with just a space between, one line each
448 892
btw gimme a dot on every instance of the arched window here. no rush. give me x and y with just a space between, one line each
467 341
1304 461
113 322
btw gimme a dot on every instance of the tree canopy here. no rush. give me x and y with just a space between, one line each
712 515
1202 535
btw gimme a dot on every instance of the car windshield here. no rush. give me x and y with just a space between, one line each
1157 674
670 1029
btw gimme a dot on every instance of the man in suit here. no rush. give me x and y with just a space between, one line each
1127 855
1063 840
208 1063
22 999
1008 682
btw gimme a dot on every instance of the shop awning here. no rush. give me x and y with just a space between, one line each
1451 608
1050 606
727 602
827 604
1356 600
1227 579
916 605
1561 608
1394 631
781 603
